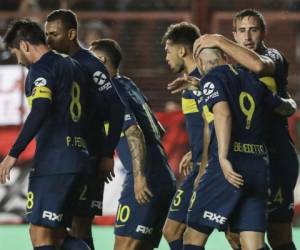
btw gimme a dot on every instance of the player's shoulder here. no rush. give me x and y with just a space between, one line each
272 53
122 78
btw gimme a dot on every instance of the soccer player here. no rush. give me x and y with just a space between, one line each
178 40
234 186
249 30
56 91
105 105
149 185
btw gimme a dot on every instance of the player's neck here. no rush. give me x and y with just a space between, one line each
189 65
38 52
74 47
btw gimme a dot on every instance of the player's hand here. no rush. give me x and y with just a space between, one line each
5 167
186 164
106 169
182 83
141 190
230 175
205 41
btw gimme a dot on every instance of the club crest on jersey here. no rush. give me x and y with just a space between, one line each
208 88
40 82
209 91
99 78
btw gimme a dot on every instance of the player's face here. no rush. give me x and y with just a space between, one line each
21 57
57 36
173 57
248 32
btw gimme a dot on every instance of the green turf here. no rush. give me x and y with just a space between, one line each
15 237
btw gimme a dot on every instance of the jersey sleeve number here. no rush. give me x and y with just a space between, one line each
75 106
247 108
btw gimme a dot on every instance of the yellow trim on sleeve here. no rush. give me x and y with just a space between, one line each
189 106
39 92
269 82
209 116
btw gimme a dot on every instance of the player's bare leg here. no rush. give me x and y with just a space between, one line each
280 236
233 239
173 230
127 243
252 240
43 236
194 238
82 229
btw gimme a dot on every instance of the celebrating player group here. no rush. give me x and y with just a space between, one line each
242 166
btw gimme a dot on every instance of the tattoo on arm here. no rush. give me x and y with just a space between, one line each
137 146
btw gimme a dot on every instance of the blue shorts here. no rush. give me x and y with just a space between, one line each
217 204
91 197
283 177
51 199
181 200
142 222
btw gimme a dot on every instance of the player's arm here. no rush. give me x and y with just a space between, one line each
40 110
115 120
248 58
137 147
204 156
222 123
279 105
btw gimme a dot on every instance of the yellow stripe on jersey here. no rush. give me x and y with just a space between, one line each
233 69
189 106
209 116
106 129
269 82
39 92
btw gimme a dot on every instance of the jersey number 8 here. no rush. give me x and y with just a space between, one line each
75 106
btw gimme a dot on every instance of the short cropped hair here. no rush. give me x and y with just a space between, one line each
23 30
67 17
111 48
183 33
250 12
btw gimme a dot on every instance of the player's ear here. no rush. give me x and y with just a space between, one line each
72 34
182 51
24 46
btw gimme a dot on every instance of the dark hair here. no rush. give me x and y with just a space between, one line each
67 17
250 12
111 48
182 33
23 30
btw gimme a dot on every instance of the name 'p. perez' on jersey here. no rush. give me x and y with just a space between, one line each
138 112
61 144
247 99
191 102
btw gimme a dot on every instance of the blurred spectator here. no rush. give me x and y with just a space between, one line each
93 30
49 5
26 6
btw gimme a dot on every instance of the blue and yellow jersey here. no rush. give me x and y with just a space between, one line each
102 96
138 112
61 144
247 99
278 139
191 102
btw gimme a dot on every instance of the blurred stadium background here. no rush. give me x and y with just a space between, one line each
138 25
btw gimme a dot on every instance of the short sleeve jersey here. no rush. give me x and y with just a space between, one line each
191 102
138 112
247 99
